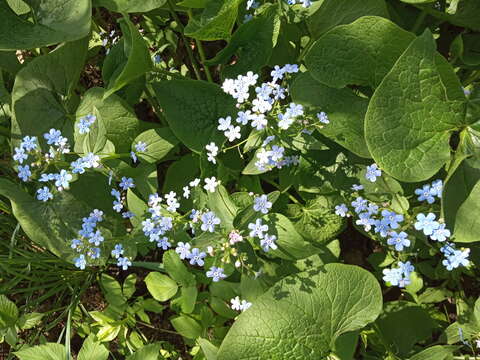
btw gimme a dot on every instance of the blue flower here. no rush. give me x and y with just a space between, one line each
20 155
80 262
183 249
441 234
163 243
382 227
437 188
425 194
257 229
117 251
454 257
128 215
261 203
117 206
399 240
85 123
44 194
356 187
268 242
29 143
196 257
373 172
392 218
53 137
393 276
96 238
24 172
341 210
359 204
75 244
115 193
141 146
365 220
124 263
216 274
126 183
94 253
209 221
372 209
323 118
62 179
426 223
78 167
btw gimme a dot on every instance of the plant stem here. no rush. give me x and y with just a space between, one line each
419 22
153 101
202 53
187 47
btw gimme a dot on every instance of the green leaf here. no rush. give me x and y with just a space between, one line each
221 204
467 224
192 109
148 352
159 143
55 21
291 244
160 286
8 313
116 121
177 269
129 285
92 350
337 12
345 110
138 62
30 320
209 350
306 312
188 299
187 327
216 21
49 351
112 290
437 352
42 89
252 42
410 119
360 53
129 6
402 324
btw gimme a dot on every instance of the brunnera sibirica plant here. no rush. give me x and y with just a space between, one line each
239 179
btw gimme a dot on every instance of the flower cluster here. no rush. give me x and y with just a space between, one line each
239 305
453 257
89 239
399 276
429 192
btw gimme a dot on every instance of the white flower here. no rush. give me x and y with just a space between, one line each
186 192
224 123
211 184
259 122
233 133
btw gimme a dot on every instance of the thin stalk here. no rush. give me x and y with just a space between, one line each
419 22
153 101
182 30
68 355
202 53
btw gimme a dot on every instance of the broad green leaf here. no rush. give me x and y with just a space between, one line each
129 6
337 12
346 346
148 352
220 203
128 288
192 109
9 62
301 316
116 121
187 327
55 21
159 142
252 42
360 53
437 352
248 214
291 245
222 308
402 324
467 224
19 6
177 269
92 350
8 313
42 89
215 22
49 351
458 190
417 1
188 299
138 57
160 286
30 320
209 350
463 13
112 290
345 110
195 4
318 224
410 119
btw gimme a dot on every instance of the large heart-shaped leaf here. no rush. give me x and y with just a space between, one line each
40 96
192 109
55 21
410 117
336 12
130 6
360 53
301 316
